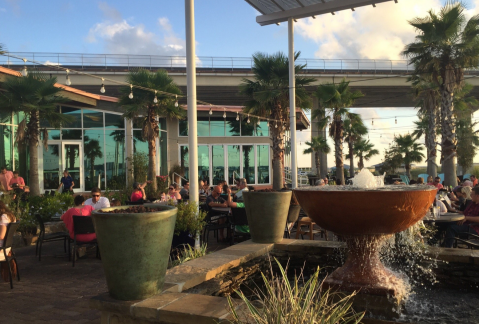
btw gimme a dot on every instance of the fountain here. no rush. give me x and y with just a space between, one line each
364 215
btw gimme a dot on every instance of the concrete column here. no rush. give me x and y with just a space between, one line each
129 152
292 104
314 133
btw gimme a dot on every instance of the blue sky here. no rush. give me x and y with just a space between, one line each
223 28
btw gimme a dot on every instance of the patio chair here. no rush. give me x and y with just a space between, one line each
238 218
309 223
212 222
82 225
293 215
50 237
469 239
6 249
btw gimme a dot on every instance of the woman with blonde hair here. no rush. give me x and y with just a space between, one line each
6 217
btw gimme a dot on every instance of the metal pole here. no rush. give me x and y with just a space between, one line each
292 104
191 102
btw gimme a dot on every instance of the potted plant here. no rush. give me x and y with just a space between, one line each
135 243
189 221
267 211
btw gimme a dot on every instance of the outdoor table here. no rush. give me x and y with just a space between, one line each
445 218
222 209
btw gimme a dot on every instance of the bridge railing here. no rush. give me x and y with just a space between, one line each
111 61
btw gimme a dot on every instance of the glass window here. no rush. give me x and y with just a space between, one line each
5 117
262 153
18 117
232 125
218 163
139 145
203 123
203 163
115 158
183 126
75 115
163 153
94 156
233 163
72 134
72 162
247 129
217 126
138 122
114 121
6 157
53 134
162 123
262 129
248 163
51 167
184 160
92 119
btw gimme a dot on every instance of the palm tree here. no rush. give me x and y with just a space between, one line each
364 151
446 45
92 151
409 151
354 128
318 144
335 98
37 96
143 104
268 96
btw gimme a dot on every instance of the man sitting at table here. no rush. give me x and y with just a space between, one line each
470 224
232 204
96 200
214 200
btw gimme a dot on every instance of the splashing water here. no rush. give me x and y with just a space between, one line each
365 179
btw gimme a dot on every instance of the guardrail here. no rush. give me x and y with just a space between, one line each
302 180
109 61
174 178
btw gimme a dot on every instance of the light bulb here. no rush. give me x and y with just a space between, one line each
156 99
211 111
248 121
259 122
284 127
68 81
395 120
372 122
24 71
237 116
224 114
131 92
176 102
102 89
276 125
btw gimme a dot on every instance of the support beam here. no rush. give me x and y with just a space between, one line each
316 10
191 101
292 104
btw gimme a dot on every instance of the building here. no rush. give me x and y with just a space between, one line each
95 147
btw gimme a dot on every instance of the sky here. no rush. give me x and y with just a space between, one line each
224 28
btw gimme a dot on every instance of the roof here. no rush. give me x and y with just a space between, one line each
276 11
64 87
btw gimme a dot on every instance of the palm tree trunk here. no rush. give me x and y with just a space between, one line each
361 162
152 149
32 129
277 136
407 166
431 142
351 159
448 140
338 150
92 172
316 158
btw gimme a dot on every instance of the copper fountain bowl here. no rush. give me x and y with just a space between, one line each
366 212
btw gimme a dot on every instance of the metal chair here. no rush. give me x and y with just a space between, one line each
238 218
469 239
82 225
213 224
293 215
50 237
6 249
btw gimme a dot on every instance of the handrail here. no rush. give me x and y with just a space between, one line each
174 173
288 178
84 61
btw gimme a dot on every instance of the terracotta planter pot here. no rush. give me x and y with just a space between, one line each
267 213
135 249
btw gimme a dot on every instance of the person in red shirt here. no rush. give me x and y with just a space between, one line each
470 224
16 181
5 177
138 193
436 183
474 180
78 210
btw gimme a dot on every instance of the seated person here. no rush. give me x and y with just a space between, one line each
201 186
138 193
115 202
185 191
420 181
5 177
173 192
6 216
215 200
467 183
232 204
243 187
17 183
96 200
79 210
471 222
465 193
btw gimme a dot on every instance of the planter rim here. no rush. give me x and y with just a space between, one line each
263 193
167 211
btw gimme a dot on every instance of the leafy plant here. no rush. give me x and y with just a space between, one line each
188 253
302 302
49 206
139 166
189 218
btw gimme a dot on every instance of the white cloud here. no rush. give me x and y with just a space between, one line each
369 33
121 36
3 10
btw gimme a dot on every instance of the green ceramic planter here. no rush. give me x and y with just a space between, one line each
134 250
267 213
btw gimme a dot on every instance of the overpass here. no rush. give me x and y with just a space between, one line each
384 82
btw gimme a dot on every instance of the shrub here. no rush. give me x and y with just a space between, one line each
139 166
188 253
300 303
189 219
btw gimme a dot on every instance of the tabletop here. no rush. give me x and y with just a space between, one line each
447 217
221 209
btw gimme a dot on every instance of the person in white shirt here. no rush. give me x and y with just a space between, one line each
96 200
243 187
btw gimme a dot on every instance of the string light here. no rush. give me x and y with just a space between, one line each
224 114
372 121
284 127
276 125
131 92
237 116
258 122
395 120
248 121
68 82
156 98
211 111
176 100
24 71
102 89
